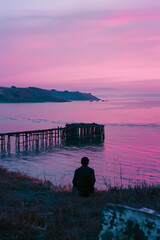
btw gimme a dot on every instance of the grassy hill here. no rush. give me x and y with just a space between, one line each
32 94
74 96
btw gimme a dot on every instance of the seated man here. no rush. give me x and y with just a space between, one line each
84 179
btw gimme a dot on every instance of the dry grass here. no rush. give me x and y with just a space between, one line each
31 209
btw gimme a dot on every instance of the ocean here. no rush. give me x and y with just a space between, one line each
129 154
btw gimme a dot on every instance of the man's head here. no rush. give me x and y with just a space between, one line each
84 161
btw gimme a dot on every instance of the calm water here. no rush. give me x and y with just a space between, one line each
131 148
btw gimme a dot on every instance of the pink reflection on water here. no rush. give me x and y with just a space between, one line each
135 148
132 136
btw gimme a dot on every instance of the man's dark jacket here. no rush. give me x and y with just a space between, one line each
84 179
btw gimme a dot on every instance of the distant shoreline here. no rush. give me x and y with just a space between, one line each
52 102
38 95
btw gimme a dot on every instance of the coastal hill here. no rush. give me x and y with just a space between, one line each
74 96
35 95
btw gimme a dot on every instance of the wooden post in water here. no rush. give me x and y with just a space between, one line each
85 131
77 133
42 140
55 135
3 143
23 141
29 141
46 139
88 132
58 133
9 144
37 142
26 142
32 141
17 142
102 132
50 138
81 132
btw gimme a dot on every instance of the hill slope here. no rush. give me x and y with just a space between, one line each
74 96
32 94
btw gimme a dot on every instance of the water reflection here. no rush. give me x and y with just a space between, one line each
80 143
132 137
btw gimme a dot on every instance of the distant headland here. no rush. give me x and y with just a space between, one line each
38 95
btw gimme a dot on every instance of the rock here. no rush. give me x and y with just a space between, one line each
126 223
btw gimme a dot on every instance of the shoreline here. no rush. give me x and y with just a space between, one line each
34 209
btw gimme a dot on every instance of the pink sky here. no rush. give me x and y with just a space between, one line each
81 45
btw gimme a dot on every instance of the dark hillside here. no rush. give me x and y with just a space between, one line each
22 95
75 96
33 95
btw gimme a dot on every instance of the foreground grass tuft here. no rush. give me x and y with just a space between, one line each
32 209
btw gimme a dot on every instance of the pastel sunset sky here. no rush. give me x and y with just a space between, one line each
76 44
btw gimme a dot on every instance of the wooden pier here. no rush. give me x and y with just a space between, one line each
41 139
84 130
30 140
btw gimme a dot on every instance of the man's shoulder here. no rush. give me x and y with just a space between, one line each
82 168
78 169
91 169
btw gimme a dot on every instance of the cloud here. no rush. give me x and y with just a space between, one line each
44 45
63 6
133 16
